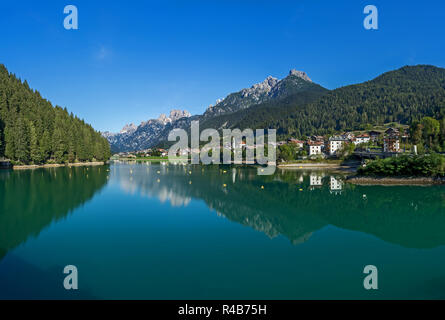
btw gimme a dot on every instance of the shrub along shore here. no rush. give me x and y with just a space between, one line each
395 181
57 165
402 170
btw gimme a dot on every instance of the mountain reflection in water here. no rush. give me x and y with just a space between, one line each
296 204
151 231
30 200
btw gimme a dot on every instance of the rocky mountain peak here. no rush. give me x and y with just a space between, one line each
163 119
129 128
155 130
271 81
299 74
259 89
178 114
268 89
174 115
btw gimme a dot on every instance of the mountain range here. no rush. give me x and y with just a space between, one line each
141 137
155 131
298 107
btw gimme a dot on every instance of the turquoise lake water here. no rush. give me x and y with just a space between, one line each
163 231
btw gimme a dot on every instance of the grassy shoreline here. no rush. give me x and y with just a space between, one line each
143 159
57 165
395 181
403 170
329 164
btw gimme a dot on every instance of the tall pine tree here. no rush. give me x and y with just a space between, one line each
33 131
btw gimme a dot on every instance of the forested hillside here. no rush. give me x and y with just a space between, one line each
268 91
265 115
404 96
32 131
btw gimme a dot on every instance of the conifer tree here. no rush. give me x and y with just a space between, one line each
32 130
21 141
35 153
45 146
2 143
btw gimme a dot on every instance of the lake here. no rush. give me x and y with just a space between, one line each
164 231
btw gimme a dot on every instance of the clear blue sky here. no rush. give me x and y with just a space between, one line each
132 60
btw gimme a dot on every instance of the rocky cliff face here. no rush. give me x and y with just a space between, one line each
174 116
132 138
154 131
299 74
128 129
271 88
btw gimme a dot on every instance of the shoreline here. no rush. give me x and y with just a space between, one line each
140 159
318 166
57 165
395 181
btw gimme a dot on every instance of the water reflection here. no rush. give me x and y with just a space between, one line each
336 185
31 200
293 204
296 204
316 180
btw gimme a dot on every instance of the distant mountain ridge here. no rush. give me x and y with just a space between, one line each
128 128
403 95
270 89
297 107
153 132
133 137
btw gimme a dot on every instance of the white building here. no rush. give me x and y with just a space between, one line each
348 135
316 180
336 144
391 144
297 143
336 185
315 148
362 138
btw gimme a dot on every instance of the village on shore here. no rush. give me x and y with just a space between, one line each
379 142
389 141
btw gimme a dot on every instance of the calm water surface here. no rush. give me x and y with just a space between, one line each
153 231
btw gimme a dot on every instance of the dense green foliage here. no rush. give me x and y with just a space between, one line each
287 152
30 200
404 96
266 115
428 134
425 165
290 152
33 131
238 101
